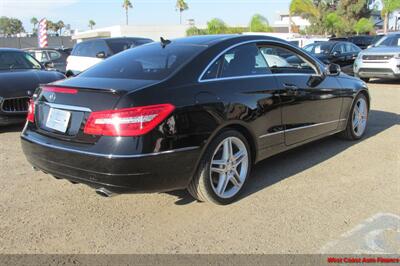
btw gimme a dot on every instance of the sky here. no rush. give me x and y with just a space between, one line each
77 13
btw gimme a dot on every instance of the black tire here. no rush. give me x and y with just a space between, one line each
349 133
200 187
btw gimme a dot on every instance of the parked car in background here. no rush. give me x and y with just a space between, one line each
193 113
362 41
337 52
301 42
380 61
54 58
89 53
20 75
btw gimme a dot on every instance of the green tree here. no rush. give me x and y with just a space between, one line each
350 12
34 21
334 23
92 24
388 6
181 6
259 23
196 31
364 25
304 8
314 11
51 26
10 26
216 26
126 5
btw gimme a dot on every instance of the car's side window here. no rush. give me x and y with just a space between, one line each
281 60
82 49
212 71
339 48
244 60
99 46
53 55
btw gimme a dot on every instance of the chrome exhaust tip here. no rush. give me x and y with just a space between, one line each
104 192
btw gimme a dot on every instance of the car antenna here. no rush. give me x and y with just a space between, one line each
164 42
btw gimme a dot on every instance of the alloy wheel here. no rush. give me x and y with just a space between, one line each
360 116
229 167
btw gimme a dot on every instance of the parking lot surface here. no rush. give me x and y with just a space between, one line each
320 197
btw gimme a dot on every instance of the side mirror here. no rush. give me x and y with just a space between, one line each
333 70
69 74
49 65
101 55
336 53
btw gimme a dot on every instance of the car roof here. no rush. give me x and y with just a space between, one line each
208 40
10 50
118 38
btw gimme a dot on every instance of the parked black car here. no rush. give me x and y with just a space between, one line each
192 113
53 58
342 53
362 41
20 75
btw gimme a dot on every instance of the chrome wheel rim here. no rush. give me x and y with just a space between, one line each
360 116
229 167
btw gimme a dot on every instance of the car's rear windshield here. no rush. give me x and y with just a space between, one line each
17 60
148 62
119 45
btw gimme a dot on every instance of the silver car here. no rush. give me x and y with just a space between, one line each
380 61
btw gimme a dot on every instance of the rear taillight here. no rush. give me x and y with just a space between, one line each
134 121
31 111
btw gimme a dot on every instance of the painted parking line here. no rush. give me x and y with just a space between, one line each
379 234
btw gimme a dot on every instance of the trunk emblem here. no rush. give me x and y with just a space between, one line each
52 97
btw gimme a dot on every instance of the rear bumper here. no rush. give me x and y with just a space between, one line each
155 172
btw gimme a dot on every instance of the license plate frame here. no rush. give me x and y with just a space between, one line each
58 120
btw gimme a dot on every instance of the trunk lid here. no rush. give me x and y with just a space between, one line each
62 108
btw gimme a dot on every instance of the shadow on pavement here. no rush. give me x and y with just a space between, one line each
11 128
385 81
287 164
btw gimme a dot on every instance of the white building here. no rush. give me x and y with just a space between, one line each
153 32
284 21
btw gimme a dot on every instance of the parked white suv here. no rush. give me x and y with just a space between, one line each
88 53
380 61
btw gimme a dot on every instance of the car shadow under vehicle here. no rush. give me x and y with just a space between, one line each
279 167
385 81
11 128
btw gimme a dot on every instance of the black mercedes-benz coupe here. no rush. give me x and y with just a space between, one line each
192 113
20 75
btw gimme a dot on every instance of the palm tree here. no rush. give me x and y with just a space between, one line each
181 6
34 21
126 5
60 26
304 8
92 24
388 6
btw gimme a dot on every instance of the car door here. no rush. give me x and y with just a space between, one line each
311 102
242 73
352 52
338 54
